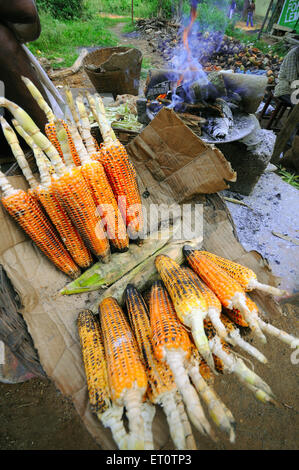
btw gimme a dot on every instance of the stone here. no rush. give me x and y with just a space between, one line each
248 164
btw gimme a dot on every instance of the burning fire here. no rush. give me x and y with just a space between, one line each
186 61
186 33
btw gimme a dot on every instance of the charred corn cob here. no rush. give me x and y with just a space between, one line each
51 133
172 344
213 303
70 187
90 143
54 127
95 366
227 362
31 128
189 302
17 151
236 317
235 339
107 209
189 437
72 145
121 177
126 372
148 411
270 329
75 115
72 107
28 214
50 128
73 192
65 145
161 386
57 214
245 276
228 290
218 411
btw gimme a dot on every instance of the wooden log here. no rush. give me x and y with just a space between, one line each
285 133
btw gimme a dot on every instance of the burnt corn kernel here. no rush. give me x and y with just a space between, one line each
26 210
159 376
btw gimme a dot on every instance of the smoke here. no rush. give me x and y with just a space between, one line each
200 36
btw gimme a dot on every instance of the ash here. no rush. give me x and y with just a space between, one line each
274 207
260 141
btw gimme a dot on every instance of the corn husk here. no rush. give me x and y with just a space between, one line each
143 275
100 275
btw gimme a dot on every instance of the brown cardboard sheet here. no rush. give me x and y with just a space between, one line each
51 318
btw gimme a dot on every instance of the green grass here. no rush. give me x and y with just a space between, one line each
142 8
129 27
59 39
288 177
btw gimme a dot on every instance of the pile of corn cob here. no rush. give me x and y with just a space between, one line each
168 349
86 199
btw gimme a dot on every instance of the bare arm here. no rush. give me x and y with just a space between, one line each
18 11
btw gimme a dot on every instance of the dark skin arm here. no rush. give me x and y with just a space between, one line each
14 61
18 11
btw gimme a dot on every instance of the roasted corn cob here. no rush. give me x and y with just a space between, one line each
148 411
28 214
63 136
51 133
50 129
218 411
31 128
95 366
55 127
121 177
228 290
213 303
172 344
74 193
57 214
220 321
227 362
90 143
270 329
189 302
72 107
126 372
245 276
104 199
161 386
236 317
235 339
189 437
107 209
70 187
17 151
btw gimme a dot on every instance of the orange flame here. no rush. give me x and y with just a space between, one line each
161 97
186 38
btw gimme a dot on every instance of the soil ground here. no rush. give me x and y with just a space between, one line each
35 416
